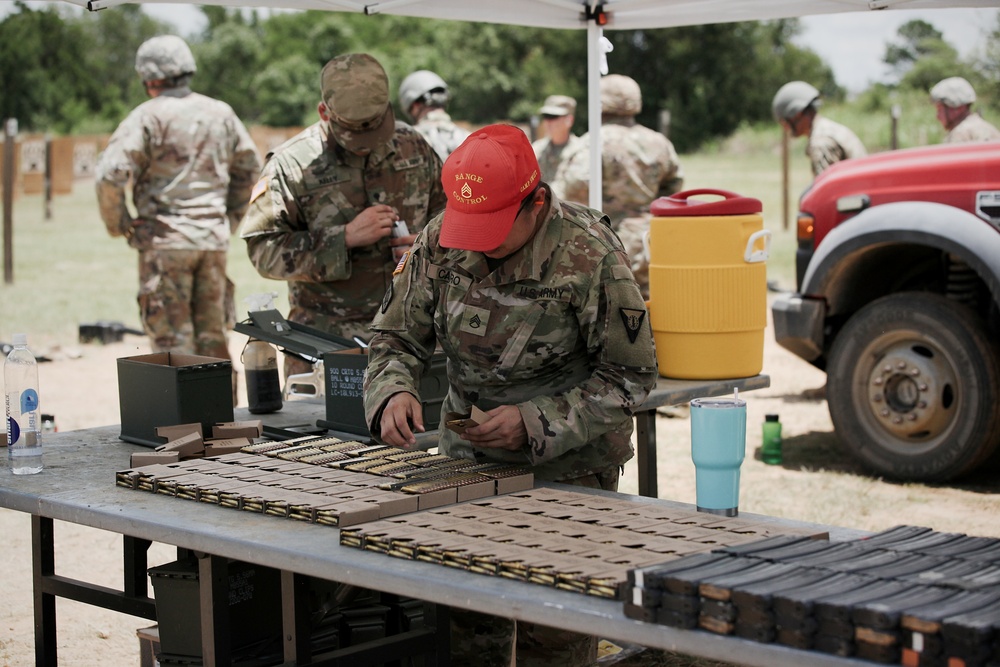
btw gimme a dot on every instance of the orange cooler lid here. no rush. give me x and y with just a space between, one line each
681 204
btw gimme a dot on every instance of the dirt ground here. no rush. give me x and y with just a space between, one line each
816 482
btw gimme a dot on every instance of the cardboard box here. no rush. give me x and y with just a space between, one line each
186 445
252 428
345 372
225 446
140 459
175 431
166 389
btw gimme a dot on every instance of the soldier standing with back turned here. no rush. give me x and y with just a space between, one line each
192 164
638 166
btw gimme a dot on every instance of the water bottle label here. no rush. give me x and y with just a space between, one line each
13 431
29 401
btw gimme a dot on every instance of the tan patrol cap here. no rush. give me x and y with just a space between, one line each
356 93
558 105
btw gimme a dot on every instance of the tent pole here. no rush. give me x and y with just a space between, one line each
594 33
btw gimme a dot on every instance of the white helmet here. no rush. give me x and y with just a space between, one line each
953 92
420 84
792 99
164 57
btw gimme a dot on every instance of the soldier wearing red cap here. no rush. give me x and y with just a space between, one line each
534 304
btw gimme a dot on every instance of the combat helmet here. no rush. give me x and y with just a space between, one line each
422 84
792 99
953 92
620 95
164 57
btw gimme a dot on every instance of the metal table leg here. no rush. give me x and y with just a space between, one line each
43 564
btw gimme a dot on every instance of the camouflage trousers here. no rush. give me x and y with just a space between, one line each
182 301
481 640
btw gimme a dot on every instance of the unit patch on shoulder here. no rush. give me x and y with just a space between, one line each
387 299
632 319
258 189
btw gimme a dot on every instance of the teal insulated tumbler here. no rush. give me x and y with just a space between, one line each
718 446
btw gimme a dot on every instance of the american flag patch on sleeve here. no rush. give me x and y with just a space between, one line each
401 264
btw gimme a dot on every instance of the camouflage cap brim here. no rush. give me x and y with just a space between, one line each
364 137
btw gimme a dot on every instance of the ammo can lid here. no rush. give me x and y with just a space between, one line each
680 204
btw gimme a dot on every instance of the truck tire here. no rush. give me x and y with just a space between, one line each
912 387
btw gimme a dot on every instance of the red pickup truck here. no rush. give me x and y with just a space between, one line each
898 277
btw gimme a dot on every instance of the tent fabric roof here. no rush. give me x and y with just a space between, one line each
572 14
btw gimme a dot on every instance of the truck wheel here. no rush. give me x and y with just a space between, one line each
912 386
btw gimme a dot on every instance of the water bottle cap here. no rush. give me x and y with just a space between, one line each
771 418
20 339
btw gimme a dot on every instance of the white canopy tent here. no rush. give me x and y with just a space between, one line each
589 15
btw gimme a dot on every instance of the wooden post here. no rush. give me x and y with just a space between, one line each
894 140
785 185
10 137
47 194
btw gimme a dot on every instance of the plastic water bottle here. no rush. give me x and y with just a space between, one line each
24 426
771 444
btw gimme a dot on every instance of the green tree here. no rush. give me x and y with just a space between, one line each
228 62
989 68
287 92
920 56
43 70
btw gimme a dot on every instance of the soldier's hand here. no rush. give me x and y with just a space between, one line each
401 244
401 411
503 430
372 224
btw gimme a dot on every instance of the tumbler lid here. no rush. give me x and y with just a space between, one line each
728 402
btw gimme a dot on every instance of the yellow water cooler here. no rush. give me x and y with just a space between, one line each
708 284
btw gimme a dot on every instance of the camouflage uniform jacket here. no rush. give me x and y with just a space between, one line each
192 164
551 156
309 190
638 165
559 330
831 142
973 129
440 132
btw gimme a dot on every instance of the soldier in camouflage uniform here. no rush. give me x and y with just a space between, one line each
533 303
638 166
954 97
559 141
795 106
192 164
322 214
423 95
